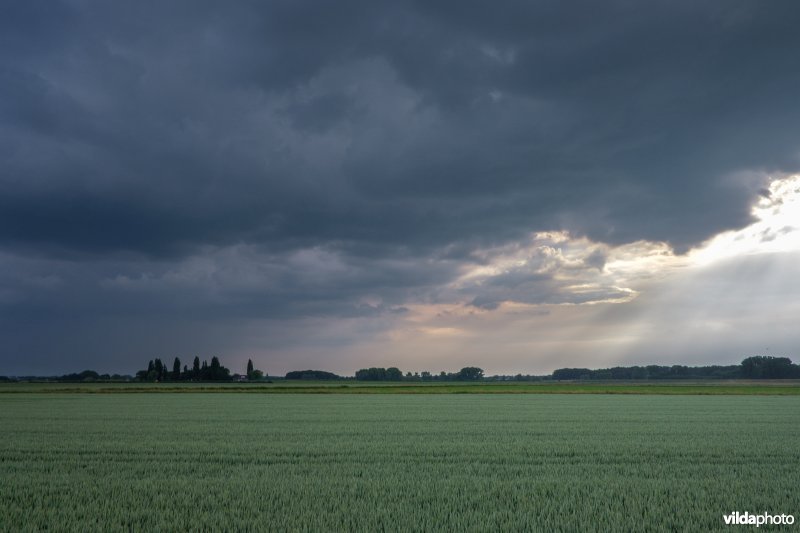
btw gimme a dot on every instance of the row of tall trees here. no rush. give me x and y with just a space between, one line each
159 371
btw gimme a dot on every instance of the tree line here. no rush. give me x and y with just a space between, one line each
468 373
755 367
312 375
159 371
85 376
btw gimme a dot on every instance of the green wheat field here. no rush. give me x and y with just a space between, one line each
394 462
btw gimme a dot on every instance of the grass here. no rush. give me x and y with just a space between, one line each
299 462
738 387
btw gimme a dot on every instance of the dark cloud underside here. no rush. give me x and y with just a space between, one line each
151 127
143 139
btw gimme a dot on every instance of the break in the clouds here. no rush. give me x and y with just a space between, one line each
305 182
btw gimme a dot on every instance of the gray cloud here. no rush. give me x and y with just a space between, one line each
140 142
276 122
545 274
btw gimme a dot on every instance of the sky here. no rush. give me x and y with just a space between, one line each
519 186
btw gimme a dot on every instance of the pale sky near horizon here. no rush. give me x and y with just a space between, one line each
519 186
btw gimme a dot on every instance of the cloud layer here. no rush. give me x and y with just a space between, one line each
196 164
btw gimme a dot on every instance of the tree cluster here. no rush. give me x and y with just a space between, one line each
767 367
757 367
469 373
86 376
158 371
312 375
379 374
516 377
252 373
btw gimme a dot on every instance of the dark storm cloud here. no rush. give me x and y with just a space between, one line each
431 124
139 140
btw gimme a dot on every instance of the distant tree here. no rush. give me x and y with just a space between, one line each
176 369
311 375
394 374
86 375
470 373
768 367
217 372
571 373
371 374
253 374
152 374
679 371
159 370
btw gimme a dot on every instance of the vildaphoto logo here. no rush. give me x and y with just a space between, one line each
750 519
